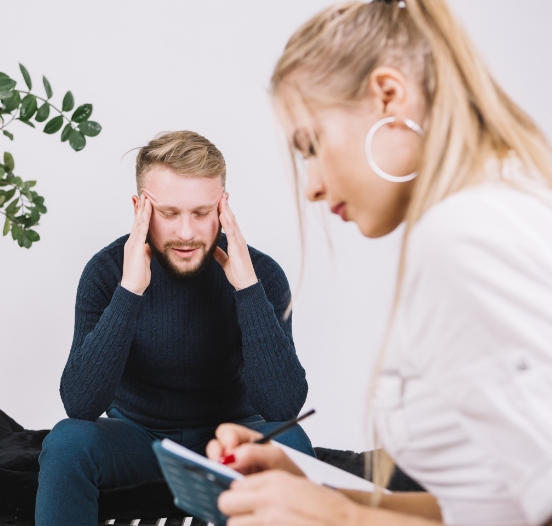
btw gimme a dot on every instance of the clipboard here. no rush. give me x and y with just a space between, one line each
195 481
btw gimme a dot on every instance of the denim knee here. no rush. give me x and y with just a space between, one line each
71 442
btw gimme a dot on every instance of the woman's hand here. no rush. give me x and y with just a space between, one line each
277 498
234 443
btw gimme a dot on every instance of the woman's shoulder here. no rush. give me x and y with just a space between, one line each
492 214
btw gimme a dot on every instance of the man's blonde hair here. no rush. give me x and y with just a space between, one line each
185 152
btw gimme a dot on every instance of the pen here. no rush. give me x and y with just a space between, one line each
270 435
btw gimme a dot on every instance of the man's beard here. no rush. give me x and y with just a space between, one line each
179 273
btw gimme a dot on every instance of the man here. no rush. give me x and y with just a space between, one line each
168 341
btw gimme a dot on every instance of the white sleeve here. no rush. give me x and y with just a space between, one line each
477 316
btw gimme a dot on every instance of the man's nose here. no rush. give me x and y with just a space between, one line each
185 229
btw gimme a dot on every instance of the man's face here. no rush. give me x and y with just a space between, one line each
184 227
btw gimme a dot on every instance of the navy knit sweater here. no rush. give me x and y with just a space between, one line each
187 353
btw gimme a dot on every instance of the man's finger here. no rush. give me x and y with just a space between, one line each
220 256
145 216
148 253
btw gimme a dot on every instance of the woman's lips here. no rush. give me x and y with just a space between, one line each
185 253
340 210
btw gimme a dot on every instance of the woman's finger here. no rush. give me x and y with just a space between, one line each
253 458
243 520
214 450
231 436
238 502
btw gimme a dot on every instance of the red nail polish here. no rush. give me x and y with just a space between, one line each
228 459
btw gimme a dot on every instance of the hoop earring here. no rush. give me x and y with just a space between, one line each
368 149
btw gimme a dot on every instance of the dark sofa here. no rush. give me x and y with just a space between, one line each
20 448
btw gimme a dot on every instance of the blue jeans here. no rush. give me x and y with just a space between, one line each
80 457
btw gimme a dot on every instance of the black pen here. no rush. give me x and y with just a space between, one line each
283 428
229 459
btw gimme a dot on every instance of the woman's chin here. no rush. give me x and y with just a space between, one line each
373 229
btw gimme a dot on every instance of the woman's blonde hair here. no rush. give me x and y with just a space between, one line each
468 118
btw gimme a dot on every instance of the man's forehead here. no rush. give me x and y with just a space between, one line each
180 191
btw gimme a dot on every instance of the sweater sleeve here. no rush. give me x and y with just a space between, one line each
105 323
275 380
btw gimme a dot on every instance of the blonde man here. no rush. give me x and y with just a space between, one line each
168 341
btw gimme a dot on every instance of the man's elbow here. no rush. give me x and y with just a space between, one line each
78 410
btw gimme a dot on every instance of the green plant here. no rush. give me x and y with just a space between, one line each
22 206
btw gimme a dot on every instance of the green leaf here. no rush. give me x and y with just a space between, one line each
68 102
2 171
47 87
30 184
16 231
12 102
6 85
9 194
90 128
26 76
7 225
28 108
8 134
66 131
33 236
8 161
82 113
28 123
24 241
13 207
2 199
77 140
54 125
43 112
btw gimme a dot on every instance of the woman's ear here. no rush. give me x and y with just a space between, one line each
387 88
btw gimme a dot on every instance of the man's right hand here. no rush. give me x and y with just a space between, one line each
137 262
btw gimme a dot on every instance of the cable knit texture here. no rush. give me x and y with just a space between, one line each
188 353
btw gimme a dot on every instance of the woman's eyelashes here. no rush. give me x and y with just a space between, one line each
303 143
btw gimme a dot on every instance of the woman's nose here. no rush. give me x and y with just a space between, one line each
315 186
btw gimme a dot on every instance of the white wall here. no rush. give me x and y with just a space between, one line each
203 65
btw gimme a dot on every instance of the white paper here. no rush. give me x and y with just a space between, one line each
321 473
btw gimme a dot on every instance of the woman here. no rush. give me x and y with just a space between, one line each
398 120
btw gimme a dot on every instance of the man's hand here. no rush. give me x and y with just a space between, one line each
237 263
136 266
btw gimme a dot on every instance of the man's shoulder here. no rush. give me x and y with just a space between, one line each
109 257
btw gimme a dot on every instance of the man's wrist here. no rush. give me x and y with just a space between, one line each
247 284
131 288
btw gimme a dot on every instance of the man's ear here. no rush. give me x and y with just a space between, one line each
135 201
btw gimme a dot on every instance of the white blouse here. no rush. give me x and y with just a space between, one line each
464 401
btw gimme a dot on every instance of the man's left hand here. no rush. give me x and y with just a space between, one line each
237 263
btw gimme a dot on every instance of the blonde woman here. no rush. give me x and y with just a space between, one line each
399 121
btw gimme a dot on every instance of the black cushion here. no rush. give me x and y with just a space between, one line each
20 448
